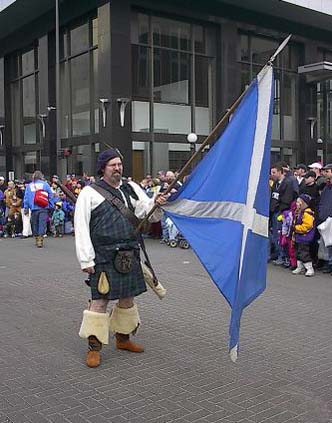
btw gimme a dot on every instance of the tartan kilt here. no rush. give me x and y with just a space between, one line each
122 285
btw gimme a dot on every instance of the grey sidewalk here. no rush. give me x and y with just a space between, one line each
283 374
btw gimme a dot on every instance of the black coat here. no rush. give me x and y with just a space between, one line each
282 194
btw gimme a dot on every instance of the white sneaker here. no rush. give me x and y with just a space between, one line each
310 270
299 269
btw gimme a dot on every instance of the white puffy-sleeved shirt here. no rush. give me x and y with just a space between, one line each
88 200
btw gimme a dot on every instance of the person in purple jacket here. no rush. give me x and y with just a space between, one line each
39 214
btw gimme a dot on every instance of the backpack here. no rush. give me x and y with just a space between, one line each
41 198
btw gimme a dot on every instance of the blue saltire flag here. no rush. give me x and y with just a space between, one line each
223 208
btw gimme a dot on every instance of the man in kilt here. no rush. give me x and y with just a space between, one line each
108 250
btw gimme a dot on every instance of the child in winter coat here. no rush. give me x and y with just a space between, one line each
58 219
304 232
286 243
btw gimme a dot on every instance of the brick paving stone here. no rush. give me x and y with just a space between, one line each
283 373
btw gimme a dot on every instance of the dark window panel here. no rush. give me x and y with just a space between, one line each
244 47
262 49
2 92
16 112
95 91
63 45
29 163
79 39
140 72
245 76
80 95
170 33
28 62
64 98
172 75
29 110
202 81
199 39
177 159
95 32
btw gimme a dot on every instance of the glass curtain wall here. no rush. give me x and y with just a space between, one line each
78 80
2 118
24 106
324 113
79 92
171 80
254 53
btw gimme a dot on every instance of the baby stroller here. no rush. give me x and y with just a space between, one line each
175 237
180 241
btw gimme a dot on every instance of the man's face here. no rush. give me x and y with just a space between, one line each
301 172
276 174
113 170
170 177
310 180
328 174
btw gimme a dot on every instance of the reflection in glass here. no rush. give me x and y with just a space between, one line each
245 52
80 95
79 39
30 162
276 108
245 76
171 76
95 32
289 107
172 118
64 98
16 113
63 45
143 28
140 116
2 92
199 39
95 88
140 72
171 33
202 84
28 62
81 159
29 110
178 155
262 49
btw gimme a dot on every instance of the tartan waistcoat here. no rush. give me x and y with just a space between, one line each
109 229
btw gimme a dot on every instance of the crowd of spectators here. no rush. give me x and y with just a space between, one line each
15 220
301 201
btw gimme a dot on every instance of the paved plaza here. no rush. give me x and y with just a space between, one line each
283 374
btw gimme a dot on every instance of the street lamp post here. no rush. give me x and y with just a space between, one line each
192 139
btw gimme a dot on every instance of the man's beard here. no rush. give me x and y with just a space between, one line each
115 178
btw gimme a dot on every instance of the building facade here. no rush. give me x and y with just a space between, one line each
141 75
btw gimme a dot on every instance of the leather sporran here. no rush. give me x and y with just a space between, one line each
103 285
124 261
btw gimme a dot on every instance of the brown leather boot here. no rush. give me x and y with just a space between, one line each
40 241
93 358
124 343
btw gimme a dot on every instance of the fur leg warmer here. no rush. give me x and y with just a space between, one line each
124 320
95 324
